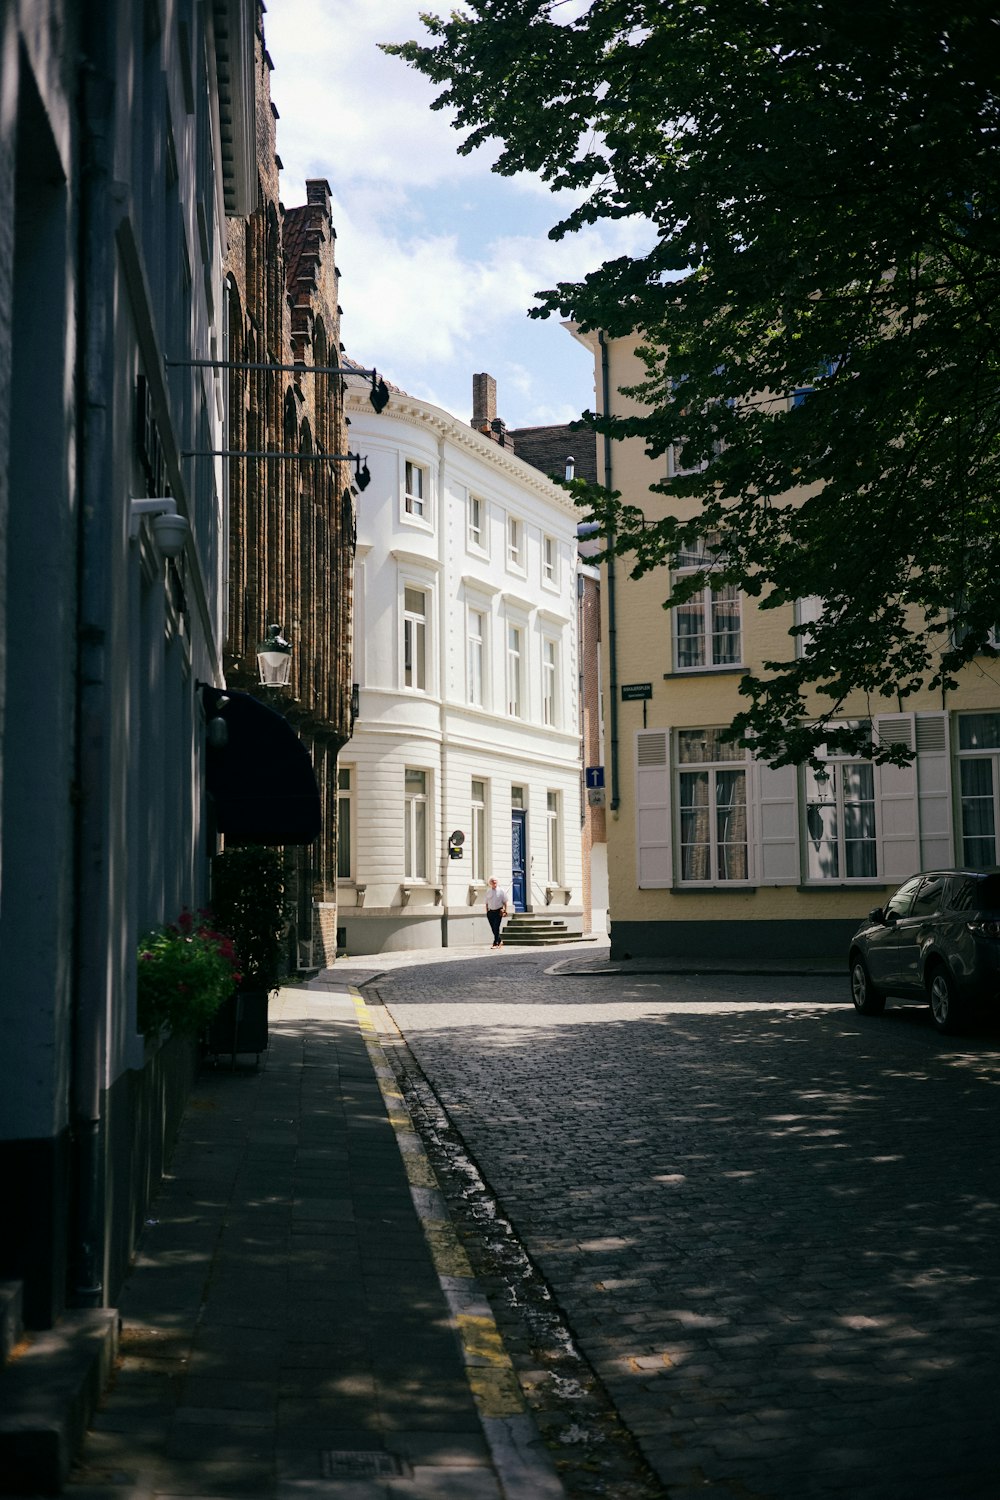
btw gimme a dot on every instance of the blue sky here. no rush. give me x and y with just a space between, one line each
440 256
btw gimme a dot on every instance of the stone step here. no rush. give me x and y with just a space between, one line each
48 1393
11 1318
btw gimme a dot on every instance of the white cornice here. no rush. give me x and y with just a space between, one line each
414 413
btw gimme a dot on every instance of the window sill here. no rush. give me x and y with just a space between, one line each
727 888
822 886
736 671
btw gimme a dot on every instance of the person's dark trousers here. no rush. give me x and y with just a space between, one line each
495 918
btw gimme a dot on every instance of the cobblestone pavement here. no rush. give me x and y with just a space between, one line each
772 1225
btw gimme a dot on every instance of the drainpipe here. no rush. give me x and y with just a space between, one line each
441 603
90 939
612 627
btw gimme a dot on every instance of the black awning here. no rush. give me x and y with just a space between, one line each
261 780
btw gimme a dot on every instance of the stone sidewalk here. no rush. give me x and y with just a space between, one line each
300 1322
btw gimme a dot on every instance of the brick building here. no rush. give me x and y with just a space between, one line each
291 520
561 450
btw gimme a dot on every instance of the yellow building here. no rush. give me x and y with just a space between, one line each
713 854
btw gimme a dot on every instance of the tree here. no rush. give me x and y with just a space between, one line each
822 183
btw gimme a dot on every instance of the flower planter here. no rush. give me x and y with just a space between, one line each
240 1024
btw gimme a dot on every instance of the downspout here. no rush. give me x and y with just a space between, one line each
93 384
612 627
444 861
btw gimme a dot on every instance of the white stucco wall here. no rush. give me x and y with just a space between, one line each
437 729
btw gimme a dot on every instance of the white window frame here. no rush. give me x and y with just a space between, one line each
416 492
478 829
515 544
806 612
345 805
416 824
550 682
550 562
728 760
991 754
476 636
553 837
415 641
476 534
831 790
515 676
705 603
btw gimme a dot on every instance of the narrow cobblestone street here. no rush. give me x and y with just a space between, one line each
771 1225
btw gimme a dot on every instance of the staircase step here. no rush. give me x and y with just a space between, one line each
47 1396
11 1318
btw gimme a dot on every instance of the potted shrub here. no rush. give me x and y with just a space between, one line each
185 972
248 899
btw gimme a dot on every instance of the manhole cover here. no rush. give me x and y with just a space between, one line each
348 1464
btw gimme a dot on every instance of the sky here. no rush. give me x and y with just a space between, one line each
440 257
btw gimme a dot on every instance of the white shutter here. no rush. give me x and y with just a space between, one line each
652 810
937 845
777 802
896 800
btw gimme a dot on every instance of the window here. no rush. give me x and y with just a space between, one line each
416 490
515 704
415 834
840 821
475 655
902 901
477 838
549 679
553 839
712 798
707 626
807 612
345 852
550 561
515 543
415 639
978 784
476 533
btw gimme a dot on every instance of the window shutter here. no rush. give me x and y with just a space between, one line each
937 845
776 797
896 800
652 810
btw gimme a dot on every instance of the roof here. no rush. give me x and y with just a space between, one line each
547 448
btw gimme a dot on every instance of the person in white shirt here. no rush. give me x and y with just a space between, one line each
496 909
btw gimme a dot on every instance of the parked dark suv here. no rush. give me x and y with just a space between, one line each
937 938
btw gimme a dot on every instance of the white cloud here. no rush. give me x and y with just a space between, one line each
441 259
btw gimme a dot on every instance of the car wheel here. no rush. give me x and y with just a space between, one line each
868 999
943 999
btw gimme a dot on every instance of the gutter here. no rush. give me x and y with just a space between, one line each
612 617
93 382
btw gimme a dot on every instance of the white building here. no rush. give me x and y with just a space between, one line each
467 739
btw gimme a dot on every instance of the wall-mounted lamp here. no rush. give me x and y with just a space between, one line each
217 730
274 658
379 396
362 478
170 531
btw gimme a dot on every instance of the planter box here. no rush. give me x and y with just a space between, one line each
240 1023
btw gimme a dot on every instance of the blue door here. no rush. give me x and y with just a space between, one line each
518 861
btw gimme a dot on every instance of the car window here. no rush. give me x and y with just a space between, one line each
928 898
987 897
965 894
901 902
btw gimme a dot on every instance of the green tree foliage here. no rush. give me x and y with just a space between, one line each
822 182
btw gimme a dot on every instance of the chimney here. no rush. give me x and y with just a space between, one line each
484 402
318 192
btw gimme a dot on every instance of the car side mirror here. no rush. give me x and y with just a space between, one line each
877 915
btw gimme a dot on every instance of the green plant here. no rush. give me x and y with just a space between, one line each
185 971
248 899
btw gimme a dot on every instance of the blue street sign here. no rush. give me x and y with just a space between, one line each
594 776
